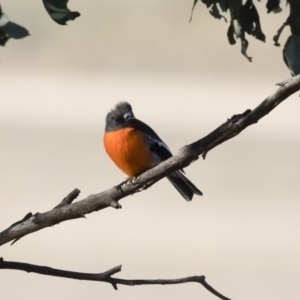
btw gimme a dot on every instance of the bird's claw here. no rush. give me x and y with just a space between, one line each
128 181
133 181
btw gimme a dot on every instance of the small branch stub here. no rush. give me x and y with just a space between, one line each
69 199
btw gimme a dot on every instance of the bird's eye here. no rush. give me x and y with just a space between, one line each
117 120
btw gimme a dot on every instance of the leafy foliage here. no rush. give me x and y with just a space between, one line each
291 50
57 9
244 19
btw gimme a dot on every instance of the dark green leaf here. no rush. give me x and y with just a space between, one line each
209 3
249 19
230 35
273 5
291 54
244 48
59 12
224 5
15 31
9 29
235 29
214 11
3 38
277 36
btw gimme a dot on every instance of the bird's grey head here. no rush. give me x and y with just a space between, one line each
119 117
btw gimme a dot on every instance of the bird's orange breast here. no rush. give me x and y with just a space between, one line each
129 151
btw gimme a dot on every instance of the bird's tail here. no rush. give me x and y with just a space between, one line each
184 186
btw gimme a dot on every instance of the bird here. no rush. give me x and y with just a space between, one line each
135 147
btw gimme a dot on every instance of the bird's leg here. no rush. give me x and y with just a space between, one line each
133 180
130 181
119 186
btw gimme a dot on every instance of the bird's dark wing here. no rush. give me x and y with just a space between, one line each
156 145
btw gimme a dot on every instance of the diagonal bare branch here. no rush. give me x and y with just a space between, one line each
183 158
106 276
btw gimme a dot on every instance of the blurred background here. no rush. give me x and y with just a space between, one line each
184 80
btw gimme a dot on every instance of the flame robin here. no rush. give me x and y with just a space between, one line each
134 147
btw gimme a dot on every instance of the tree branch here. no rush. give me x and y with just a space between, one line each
105 276
109 198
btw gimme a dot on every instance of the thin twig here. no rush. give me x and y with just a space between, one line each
106 276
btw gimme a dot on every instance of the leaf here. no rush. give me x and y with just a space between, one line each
195 2
248 16
291 54
10 29
230 35
214 11
277 35
273 5
3 38
209 3
244 48
224 5
15 31
59 12
235 29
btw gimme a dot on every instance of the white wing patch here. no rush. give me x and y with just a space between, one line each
160 143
